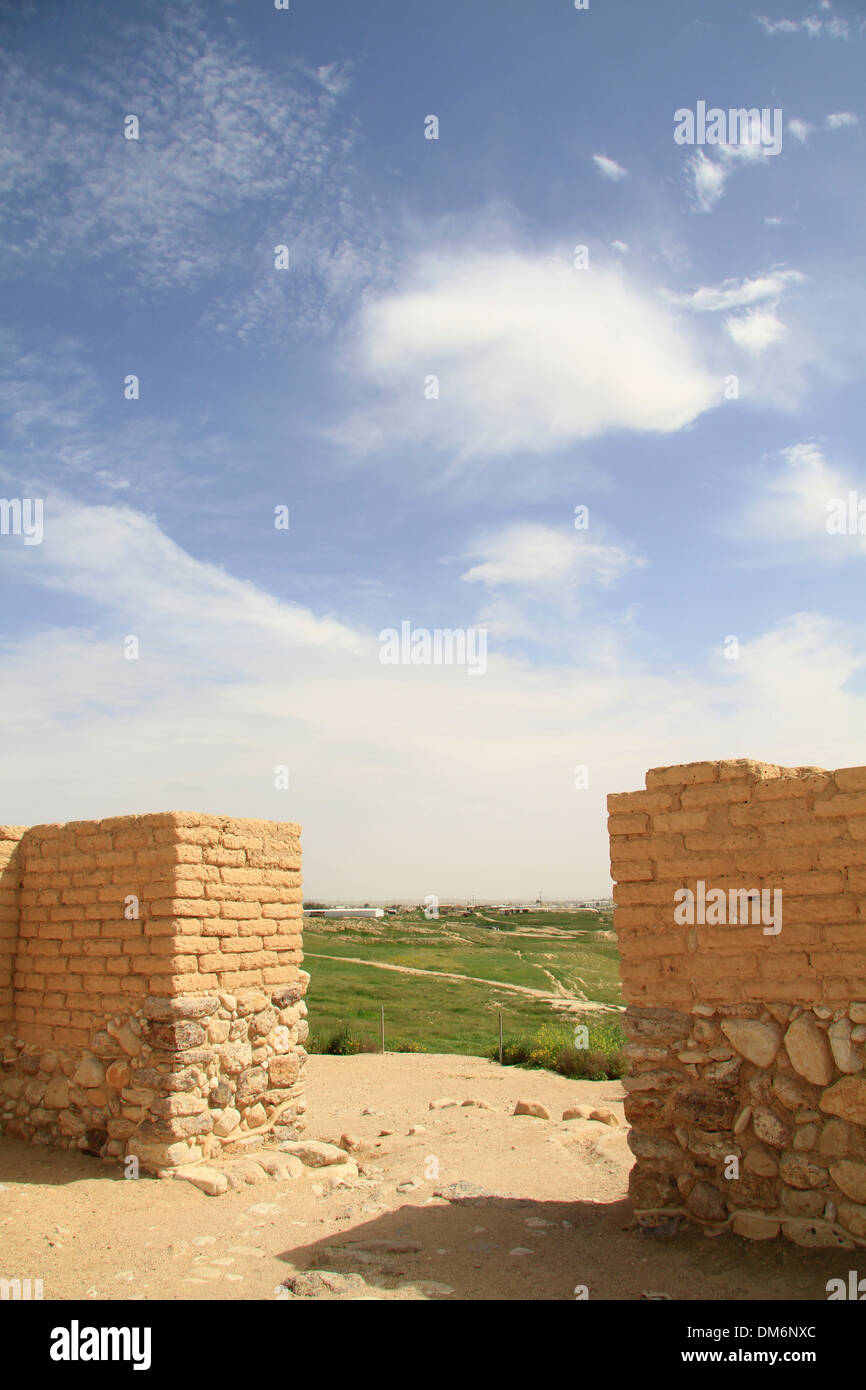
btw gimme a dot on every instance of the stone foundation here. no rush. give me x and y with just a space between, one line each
153 990
751 1117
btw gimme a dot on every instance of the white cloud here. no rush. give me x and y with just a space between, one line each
708 177
800 129
609 168
565 354
537 557
792 508
621 247
756 330
841 120
762 141
738 294
406 780
122 560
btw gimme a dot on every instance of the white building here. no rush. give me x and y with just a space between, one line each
344 912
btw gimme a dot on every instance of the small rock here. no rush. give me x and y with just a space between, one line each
847 1099
226 1122
577 1112
417 1129
208 1180
313 1153
341 1174
846 1054
90 1072
755 1226
444 1103
851 1178
816 1235
282 1167
249 1170
349 1143
312 1284
532 1107
521 1250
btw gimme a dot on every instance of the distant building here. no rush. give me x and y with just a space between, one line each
344 912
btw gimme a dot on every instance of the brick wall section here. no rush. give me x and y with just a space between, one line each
10 883
746 1043
157 992
237 905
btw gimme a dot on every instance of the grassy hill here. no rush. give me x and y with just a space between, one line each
537 967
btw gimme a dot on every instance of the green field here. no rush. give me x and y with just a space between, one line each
568 955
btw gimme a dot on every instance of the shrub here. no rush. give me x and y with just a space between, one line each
553 1049
343 1043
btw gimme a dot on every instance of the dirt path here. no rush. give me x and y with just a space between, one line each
546 1211
545 996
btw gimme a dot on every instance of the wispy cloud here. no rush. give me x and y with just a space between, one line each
710 175
609 168
841 120
738 294
800 129
813 26
791 509
231 160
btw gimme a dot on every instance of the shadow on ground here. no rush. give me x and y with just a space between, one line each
507 1248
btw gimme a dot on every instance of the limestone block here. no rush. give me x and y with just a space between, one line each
809 1050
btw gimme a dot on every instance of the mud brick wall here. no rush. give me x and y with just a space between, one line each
746 1090
10 884
151 990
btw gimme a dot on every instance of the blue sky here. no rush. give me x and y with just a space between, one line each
606 384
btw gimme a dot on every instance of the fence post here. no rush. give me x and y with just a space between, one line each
500 1037
382 1013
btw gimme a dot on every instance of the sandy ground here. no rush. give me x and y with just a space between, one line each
547 1210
